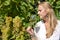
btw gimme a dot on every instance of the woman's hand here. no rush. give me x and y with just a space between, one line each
30 31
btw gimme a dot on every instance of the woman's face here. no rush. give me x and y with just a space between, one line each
42 11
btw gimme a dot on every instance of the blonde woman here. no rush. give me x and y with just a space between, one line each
49 27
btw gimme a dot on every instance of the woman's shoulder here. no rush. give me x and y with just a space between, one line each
58 26
58 22
37 26
39 23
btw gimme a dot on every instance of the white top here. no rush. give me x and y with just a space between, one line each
40 31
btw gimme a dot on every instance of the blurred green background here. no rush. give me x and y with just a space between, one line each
17 15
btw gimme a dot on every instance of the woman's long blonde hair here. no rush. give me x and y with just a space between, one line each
51 17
